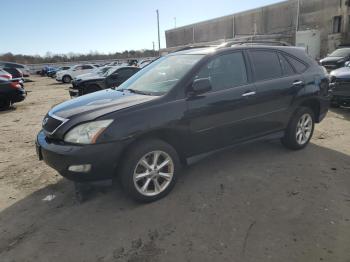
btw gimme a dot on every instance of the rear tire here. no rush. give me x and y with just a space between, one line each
300 129
149 170
66 79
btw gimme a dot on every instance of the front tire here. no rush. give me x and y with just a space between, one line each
300 129
149 170
66 79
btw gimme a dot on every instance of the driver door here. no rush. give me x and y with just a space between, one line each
220 117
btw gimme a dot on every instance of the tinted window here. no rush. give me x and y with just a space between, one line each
225 71
266 64
126 73
87 67
286 67
342 52
298 66
78 68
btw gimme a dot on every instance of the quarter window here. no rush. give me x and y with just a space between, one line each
298 66
266 65
225 71
286 67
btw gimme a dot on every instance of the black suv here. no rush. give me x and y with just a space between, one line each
182 105
114 77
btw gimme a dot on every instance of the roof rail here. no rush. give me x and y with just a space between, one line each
254 42
193 47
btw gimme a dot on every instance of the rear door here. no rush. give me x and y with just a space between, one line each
276 83
218 118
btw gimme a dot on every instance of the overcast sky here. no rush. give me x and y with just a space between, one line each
80 26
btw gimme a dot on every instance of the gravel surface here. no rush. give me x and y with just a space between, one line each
258 202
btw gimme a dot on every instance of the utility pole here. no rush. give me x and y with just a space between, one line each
174 22
298 17
158 32
154 52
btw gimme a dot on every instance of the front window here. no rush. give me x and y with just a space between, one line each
341 52
162 75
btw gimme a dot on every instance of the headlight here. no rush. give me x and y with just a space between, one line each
87 133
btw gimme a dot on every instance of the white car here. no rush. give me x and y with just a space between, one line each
143 63
66 76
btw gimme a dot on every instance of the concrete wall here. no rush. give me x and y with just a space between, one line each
277 19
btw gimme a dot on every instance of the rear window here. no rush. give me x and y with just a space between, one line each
299 66
266 64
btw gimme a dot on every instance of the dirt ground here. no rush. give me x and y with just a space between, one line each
258 202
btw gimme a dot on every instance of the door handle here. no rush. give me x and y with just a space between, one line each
298 83
252 93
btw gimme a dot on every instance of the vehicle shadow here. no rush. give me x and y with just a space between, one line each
9 110
58 84
343 111
256 202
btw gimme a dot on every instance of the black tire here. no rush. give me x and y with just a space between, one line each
132 161
5 103
290 138
66 79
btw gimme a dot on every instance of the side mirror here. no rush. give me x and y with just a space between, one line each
347 63
200 86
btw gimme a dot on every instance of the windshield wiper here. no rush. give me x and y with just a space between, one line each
135 91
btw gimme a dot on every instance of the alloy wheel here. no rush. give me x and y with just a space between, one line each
153 173
304 129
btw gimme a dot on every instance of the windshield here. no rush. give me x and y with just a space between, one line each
103 70
162 75
340 52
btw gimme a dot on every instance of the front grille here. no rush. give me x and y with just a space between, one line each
50 124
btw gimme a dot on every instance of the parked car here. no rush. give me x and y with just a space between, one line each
97 72
15 72
52 73
5 74
66 76
112 78
340 85
10 92
182 105
144 62
23 68
337 59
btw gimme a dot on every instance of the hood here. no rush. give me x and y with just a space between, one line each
333 59
99 103
89 77
341 73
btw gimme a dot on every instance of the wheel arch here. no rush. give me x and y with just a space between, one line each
170 137
315 105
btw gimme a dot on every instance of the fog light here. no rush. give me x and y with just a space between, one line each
80 168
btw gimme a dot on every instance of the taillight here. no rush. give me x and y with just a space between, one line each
6 76
15 85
